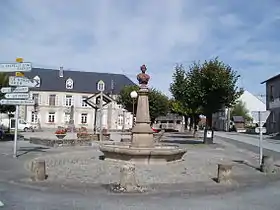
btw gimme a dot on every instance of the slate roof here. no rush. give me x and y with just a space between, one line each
170 117
270 79
238 119
84 82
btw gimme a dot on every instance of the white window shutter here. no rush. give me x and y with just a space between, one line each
46 100
64 101
39 99
56 100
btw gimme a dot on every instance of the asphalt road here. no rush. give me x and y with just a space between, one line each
21 198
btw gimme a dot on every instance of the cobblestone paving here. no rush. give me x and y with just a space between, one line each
200 164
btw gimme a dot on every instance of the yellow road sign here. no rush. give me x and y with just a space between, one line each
19 74
19 60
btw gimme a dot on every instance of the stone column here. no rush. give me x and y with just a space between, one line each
142 133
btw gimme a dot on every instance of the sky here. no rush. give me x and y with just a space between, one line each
118 36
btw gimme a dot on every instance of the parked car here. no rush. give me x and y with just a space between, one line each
22 125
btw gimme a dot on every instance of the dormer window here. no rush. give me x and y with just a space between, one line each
69 84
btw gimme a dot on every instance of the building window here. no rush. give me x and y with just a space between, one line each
84 104
34 117
68 100
273 117
84 118
51 117
35 97
69 83
52 99
271 93
101 86
120 120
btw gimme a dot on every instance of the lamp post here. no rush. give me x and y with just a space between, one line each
133 95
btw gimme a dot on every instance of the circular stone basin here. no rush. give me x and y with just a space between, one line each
158 154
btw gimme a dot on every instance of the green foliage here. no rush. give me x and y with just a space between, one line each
124 98
4 82
239 109
205 88
215 85
181 91
158 102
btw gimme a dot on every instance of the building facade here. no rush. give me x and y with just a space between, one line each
221 119
61 100
170 122
273 104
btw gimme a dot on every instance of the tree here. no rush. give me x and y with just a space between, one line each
185 95
158 102
4 82
213 86
239 109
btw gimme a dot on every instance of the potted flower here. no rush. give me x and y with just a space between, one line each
60 133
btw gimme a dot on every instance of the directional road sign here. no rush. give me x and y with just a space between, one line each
14 67
23 82
17 95
14 90
17 102
100 86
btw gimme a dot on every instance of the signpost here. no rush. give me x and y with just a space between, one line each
14 90
260 117
23 82
15 67
17 102
101 88
18 95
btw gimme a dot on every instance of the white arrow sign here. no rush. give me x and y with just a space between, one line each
14 90
23 82
13 67
17 95
17 102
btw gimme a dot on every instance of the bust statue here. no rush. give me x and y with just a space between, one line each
143 78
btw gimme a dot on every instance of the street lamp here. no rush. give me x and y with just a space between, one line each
133 95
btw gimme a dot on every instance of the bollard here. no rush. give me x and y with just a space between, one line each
267 165
38 168
224 173
127 177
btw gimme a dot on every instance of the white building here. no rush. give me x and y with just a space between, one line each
63 93
221 119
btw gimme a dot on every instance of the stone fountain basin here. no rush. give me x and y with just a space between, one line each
159 154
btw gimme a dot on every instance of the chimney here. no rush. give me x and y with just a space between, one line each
112 87
61 71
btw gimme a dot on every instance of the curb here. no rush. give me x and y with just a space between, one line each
240 183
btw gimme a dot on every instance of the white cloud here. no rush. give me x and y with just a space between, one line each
119 36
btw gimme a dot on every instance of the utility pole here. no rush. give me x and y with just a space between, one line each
228 119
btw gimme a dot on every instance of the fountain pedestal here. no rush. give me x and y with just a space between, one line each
142 148
142 133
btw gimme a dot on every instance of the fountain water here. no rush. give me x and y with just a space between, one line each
142 148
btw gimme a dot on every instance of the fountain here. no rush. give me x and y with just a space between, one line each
142 148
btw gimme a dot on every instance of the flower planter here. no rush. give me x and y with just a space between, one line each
60 136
